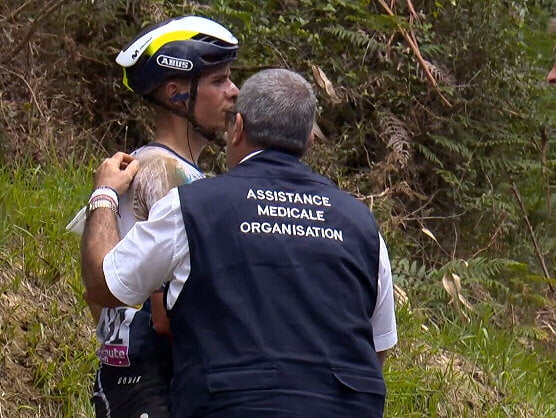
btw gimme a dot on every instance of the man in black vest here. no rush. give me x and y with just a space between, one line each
279 287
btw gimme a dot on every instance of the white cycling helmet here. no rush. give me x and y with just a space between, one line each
184 46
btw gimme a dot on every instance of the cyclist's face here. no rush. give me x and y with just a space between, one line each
216 94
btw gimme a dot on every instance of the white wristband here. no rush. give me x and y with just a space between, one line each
107 191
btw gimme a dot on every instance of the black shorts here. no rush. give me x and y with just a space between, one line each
141 391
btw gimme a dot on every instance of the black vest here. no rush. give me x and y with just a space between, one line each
274 319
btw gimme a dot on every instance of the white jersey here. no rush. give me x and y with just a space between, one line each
161 169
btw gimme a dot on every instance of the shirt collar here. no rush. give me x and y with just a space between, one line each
251 155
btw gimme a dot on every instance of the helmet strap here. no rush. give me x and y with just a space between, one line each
210 136
189 115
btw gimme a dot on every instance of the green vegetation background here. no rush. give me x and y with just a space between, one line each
434 113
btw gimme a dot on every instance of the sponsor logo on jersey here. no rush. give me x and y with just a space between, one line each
129 380
113 355
175 63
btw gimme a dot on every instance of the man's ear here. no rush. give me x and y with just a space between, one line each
309 142
237 136
176 93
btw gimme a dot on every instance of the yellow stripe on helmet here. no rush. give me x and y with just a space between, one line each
125 80
162 40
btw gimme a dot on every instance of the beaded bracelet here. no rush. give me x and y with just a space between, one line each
104 197
102 201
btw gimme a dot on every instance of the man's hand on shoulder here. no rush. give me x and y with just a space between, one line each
117 172
101 234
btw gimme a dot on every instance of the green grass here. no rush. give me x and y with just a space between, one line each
46 336
442 366
476 369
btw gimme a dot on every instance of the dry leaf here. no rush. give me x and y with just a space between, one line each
461 298
400 295
452 285
324 83
318 132
428 233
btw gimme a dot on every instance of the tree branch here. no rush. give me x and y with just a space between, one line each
415 48
532 233
544 170
49 9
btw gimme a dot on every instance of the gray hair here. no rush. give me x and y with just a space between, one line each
278 108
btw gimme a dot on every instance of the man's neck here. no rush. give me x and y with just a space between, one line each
179 135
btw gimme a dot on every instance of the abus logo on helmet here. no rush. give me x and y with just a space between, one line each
175 63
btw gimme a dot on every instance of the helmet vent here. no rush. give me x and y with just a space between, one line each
210 40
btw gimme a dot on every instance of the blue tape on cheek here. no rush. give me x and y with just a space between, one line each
180 97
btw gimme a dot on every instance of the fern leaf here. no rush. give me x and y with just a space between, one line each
441 76
395 135
428 154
